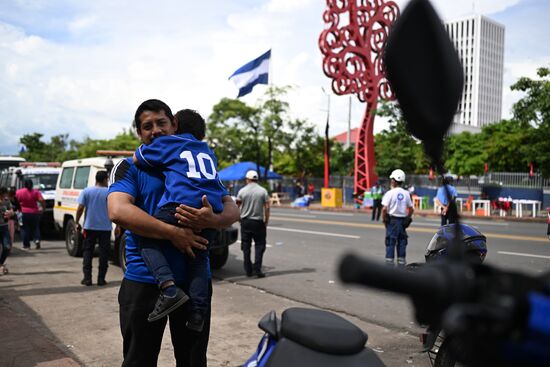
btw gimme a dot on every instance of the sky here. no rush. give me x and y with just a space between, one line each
82 67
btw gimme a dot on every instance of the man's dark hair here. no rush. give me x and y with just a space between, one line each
191 122
3 190
153 105
101 176
28 184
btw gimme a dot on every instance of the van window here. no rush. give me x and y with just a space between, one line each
66 178
81 177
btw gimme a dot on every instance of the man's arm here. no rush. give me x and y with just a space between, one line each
79 212
123 212
205 217
411 211
266 212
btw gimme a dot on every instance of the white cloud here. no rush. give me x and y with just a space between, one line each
287 6
83 67
82 23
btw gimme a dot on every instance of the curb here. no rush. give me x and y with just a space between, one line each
421 213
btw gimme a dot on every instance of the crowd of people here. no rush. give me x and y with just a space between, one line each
19 209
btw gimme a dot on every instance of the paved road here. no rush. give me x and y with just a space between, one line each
304 248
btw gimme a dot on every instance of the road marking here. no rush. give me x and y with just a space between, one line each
468 221
522 254
332 213
314 232
412 229
297 215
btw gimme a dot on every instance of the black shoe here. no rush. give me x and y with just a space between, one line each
37 244
166 304
101 281
196 322
249 274
86 282
260 275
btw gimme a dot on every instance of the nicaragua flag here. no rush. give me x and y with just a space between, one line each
254 72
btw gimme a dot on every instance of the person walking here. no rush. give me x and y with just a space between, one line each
13 221
28 199
254 203
97 227
133 198
6 213
442 200
376 193
397 210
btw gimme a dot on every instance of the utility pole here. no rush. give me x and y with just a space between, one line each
348 139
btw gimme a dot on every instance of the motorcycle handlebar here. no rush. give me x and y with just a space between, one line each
420 283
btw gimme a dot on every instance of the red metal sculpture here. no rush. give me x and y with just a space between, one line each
352 47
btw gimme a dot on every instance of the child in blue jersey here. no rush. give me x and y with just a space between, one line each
190 170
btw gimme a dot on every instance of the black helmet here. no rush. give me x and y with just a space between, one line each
473 239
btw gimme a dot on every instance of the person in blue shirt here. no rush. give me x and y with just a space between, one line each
190 171
443 202
97 227
133 198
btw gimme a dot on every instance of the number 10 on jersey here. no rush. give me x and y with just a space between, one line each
201 158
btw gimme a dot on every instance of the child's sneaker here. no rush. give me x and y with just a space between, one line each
166 304
196 322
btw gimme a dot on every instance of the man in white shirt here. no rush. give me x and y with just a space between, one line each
397 210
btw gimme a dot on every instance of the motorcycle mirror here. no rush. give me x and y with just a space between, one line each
425 74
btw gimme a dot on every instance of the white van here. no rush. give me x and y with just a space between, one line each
78 174
75 176
44 177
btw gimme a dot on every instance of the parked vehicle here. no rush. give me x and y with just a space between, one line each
78 174
10 161
44 177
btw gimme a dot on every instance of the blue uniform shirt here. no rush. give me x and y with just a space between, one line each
94 199
442 196
190 168
147 188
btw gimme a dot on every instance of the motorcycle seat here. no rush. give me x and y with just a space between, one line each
322 331
288 353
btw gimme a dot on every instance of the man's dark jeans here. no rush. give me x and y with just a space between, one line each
252 229
376 209
31 228
103 238
197 268
396 239
142 339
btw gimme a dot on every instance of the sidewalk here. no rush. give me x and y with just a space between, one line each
24 345
47 319
423 213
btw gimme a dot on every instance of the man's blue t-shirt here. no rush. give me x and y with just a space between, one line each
442 196
94 198
147 188
190 168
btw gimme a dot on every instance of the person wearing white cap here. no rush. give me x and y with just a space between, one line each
397 210
254 203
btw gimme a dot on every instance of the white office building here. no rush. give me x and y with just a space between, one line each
480 45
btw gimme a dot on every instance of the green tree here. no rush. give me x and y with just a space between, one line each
466 154
532 112
36 148
395 147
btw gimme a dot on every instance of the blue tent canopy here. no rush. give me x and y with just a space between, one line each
238 172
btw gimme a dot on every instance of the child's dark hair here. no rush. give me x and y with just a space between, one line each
191 122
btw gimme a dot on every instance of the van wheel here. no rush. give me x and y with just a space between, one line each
73 239
218 257
122 253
